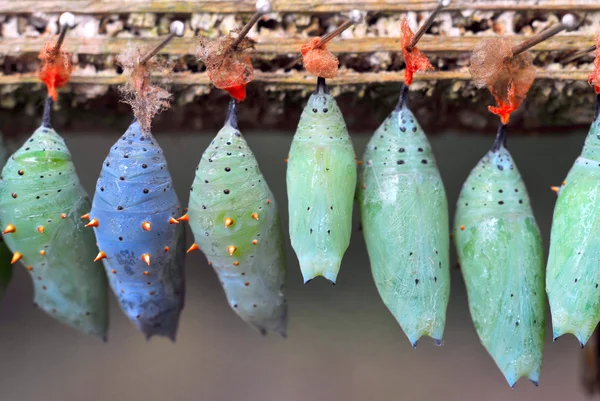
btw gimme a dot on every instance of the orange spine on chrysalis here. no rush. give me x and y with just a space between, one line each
93 223
101 255
56 64
16 257
192 248
9 229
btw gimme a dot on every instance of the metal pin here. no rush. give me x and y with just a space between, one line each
427 24
355 17
262 7
578 54
66 22
568 22
176 29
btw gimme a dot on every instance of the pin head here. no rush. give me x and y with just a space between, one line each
264 6
357 16
67 19
570 21
177 28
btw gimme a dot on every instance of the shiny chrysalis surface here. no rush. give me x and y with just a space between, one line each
235 222
500 254
572 274
42 201
140 242
5 254
404 216
321 180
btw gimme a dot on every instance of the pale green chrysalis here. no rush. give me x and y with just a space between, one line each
5 254
42 199
573 273
404 216
500 254
321 180
235 221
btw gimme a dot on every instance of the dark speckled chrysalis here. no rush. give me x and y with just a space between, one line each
41 201
133 213
235 221
500 253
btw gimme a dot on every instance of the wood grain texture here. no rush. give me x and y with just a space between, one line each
285 46
296 79
302 6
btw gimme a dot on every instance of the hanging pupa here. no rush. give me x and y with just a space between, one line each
500 254
321 181
235 221
404 216
41 201
572 274
133 213
5 254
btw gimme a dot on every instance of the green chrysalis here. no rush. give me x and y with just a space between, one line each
572 275
5 254
41 203
500 254
235 222
321 180
404 216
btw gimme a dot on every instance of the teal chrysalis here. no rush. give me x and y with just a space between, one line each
321 181
572 274
500 253
5 254
404 217
42 201
233 215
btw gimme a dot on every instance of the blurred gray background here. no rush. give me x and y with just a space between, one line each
342 342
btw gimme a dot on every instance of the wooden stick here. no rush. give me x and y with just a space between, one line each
176 29
427 24
293 80
578 54
568 22
283 6
16 47
262 7
356 17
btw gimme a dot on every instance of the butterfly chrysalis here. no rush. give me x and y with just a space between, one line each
134 209
404 216
321 181
572 275
235 222
141 244
500 254
5 254
41 201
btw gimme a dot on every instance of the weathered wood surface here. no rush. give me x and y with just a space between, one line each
285 46
292 79
302 6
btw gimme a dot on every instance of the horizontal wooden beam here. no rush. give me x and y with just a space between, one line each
301 6
285 46
292 79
